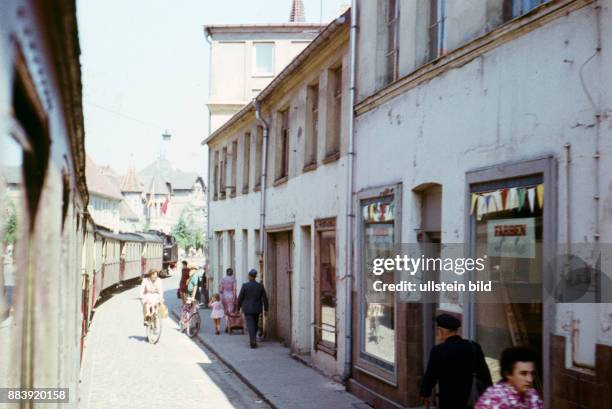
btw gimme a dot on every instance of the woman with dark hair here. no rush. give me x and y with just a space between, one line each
515 390
227 290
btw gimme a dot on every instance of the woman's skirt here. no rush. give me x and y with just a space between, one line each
152 298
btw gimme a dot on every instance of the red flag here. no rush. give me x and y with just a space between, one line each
164 207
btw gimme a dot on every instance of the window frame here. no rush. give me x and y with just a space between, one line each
246 164
334 113
500 173
438 28
256 72
313 126
363 364
392 21
322 226
283 149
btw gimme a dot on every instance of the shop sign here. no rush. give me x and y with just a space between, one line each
511 237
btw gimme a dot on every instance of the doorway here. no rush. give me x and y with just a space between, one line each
280 282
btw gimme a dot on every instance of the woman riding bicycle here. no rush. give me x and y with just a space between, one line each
151 292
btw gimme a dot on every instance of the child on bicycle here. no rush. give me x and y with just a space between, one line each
217 312
190 305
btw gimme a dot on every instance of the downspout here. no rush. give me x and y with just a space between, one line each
350 217
208 236
262 203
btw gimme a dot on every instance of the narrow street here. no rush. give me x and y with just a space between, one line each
122 370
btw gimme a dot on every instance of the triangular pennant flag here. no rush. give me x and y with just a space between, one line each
540 192
512 199
504 197
531 193
498 200
490 203
474 203
521 198
482 207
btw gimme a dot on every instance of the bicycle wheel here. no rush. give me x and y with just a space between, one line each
154 329
193 326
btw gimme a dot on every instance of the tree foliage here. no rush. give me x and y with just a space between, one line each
187 232
10 223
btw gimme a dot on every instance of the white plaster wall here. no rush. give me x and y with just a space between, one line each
519 101
305 197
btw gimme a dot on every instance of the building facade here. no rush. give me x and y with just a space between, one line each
473 118
296 241
245 58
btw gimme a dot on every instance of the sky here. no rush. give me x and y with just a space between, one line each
145 71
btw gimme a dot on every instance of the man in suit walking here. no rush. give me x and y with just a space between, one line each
452 365
251 300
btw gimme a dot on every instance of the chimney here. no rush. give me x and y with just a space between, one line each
297 12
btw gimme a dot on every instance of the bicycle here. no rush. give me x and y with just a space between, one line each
154 326
190 318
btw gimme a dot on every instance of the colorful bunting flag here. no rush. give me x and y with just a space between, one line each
504 197
540 192
513 199
531 193
474 203
521 198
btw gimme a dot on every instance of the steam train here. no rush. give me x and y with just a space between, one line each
55 263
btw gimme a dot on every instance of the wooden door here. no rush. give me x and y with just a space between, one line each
282 293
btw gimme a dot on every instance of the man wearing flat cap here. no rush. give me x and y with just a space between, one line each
453 364
251 300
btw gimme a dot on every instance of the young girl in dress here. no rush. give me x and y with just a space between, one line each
217 312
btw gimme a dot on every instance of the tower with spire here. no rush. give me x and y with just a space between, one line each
296 15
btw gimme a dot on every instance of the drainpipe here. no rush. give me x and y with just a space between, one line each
350 217
208 193
264 157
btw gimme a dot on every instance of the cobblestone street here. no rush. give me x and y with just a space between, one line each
122 370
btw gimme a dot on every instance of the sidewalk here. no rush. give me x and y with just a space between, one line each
270 370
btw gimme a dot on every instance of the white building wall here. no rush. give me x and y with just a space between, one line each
304 198
523 99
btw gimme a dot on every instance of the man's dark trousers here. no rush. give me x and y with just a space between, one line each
251 322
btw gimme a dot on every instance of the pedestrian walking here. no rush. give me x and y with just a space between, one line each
227 290
515 390
252 300
454 364
217 312
183 283
204 289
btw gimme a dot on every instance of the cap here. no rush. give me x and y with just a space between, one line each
253 273
448 321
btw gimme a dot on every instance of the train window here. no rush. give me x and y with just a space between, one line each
31 119
65 197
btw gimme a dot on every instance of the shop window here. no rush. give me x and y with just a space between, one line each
378 315
508 223
325 286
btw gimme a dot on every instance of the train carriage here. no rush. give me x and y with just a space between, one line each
111 259
152 252
131 256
